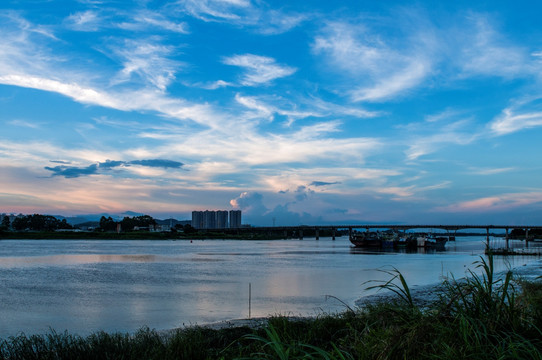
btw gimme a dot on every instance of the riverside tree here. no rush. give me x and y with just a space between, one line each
39 222
5 225
108 224
143 221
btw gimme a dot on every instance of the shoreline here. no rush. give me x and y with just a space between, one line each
426 294
422 295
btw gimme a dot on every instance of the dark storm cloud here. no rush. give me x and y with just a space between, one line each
74 171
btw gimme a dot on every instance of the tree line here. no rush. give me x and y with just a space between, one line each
38 222
35 222
143 222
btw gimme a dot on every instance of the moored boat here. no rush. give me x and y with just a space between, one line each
435 242
366 239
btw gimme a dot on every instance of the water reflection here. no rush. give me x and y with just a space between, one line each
85 286
95 258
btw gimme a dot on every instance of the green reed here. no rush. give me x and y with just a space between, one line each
484 316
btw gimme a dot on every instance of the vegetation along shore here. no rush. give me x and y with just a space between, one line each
484 316
143 227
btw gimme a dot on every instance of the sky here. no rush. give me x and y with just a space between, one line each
295 112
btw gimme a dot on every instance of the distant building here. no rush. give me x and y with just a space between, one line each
209 219
235 219
216 219
197 219
221 219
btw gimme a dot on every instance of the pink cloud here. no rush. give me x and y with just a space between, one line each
495 203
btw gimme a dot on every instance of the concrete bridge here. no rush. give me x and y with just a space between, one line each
298 230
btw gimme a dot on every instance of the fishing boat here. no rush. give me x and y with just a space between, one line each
406 241
366 239
433 242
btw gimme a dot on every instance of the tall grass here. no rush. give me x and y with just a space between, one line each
485 316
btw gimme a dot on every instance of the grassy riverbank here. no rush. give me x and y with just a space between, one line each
483 317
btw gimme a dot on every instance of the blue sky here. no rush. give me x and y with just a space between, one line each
305 112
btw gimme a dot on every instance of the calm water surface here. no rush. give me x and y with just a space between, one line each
89 285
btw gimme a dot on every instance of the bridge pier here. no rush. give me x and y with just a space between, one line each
526 238
332 233
317 234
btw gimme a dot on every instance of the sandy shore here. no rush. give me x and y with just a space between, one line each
424 294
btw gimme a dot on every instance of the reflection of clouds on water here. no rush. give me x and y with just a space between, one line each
85 286
95 258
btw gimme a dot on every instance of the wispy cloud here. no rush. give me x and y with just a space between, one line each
458 132
259 70
216 10
488 53
266 107
215 85
26 26
89 20
149 60
126 100
23 123
522 115
502 202
491 171
278 22
257 16
145 19
383 69
264 110
74 91
446 114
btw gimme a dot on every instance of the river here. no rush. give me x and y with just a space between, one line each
88 285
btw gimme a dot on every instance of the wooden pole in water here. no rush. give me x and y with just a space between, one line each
526 238
506 238
249 299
